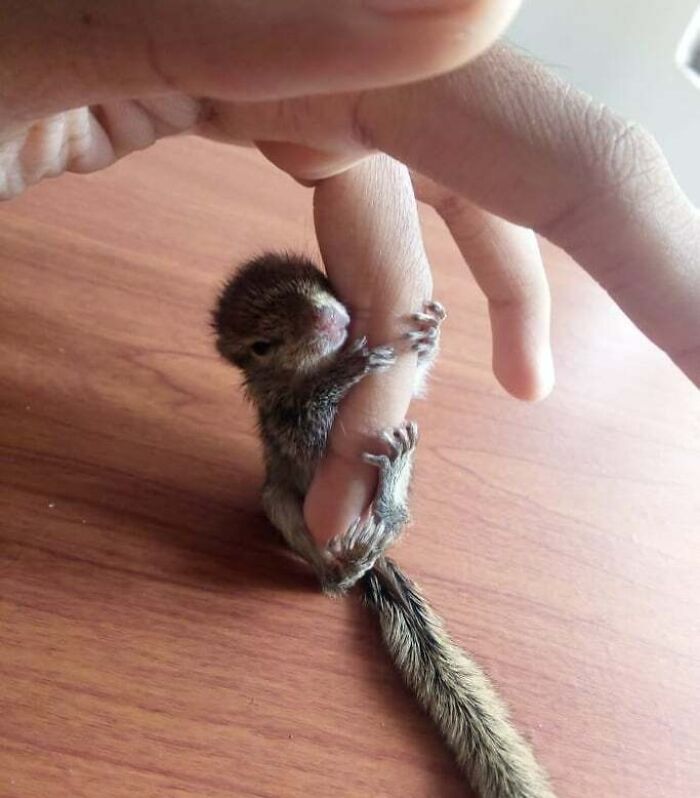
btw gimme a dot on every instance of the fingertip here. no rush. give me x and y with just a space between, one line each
527 376
544 377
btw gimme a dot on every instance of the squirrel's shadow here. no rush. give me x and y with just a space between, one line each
221 542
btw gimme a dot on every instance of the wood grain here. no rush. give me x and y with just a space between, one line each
155 641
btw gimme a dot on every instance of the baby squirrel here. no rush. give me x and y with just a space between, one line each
278 320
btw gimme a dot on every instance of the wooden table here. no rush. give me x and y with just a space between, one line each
156 642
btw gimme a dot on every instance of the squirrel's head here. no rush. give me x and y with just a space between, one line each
278 314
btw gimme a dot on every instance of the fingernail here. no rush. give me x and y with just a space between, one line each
408 6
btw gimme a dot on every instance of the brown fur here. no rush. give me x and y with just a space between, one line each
296 385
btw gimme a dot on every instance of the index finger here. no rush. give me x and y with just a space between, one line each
369 234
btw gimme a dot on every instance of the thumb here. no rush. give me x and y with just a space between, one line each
61 54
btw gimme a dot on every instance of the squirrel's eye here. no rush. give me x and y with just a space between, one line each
261 348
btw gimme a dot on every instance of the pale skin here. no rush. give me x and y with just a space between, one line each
499 146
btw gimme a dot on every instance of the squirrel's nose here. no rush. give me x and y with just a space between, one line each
330 319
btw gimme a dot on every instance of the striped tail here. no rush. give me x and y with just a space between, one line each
453 690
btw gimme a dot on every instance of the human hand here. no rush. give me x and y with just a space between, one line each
142 67
498 147
499 139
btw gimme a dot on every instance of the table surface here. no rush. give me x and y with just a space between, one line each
155 641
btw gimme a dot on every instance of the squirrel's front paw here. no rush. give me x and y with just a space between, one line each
424 335
367 359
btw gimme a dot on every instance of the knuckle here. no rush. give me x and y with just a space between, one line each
614 165
622 150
